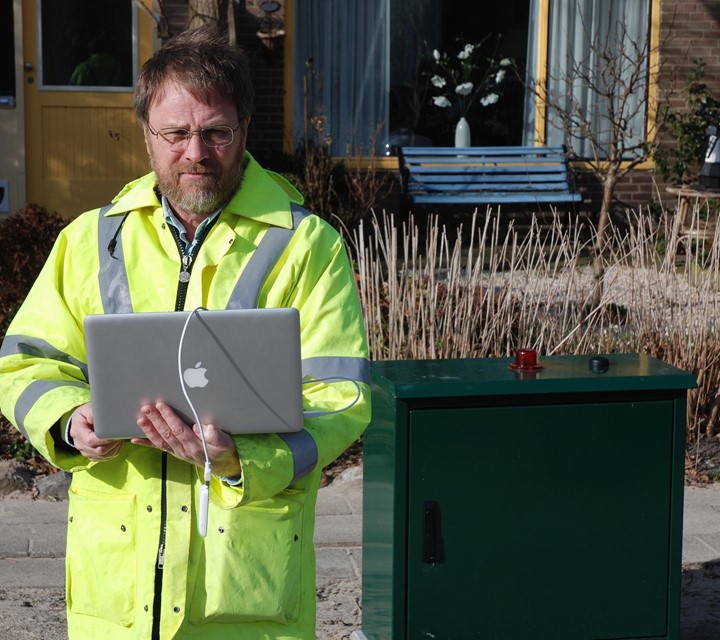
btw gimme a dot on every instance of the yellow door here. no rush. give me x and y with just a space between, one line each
82 141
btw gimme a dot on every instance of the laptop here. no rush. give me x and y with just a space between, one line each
242 369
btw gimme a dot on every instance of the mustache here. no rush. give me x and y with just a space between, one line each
195 167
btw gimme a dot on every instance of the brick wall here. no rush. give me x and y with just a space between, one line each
635 191
689 30
265 136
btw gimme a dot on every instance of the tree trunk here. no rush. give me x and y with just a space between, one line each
201 12
609 182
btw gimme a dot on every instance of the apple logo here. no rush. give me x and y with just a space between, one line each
195 376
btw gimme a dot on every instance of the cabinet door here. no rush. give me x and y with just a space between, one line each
539 522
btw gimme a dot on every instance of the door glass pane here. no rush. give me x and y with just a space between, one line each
7 54
86 43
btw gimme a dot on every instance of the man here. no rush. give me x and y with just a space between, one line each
209 227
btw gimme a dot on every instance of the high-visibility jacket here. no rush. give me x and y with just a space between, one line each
253 576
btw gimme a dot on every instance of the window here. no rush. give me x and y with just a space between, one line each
419 27
87 44
362 71
577 33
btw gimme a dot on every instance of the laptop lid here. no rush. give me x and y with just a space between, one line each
242 369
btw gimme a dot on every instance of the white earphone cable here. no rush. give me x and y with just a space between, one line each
207 475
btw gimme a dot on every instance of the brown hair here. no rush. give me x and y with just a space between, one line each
201 61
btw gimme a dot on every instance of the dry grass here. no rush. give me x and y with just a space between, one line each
485 290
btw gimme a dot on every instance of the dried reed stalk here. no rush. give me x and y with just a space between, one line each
490 290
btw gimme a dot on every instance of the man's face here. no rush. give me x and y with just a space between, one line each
198 178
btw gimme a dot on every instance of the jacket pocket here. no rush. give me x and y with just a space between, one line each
252 565
101 555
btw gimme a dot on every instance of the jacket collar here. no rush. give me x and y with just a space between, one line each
263 195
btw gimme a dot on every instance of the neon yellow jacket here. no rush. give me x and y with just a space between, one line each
253 577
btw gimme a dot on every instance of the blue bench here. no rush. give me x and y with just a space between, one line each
486 175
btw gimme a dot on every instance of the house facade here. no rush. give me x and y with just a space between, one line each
356 77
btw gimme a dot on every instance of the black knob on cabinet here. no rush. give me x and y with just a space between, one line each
599 364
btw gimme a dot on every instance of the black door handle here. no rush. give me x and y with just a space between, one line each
432 547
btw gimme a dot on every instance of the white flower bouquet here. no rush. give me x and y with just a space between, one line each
465 77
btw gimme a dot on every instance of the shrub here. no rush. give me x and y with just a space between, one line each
681 162
341 193
26 238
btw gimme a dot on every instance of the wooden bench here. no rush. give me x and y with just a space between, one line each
486 175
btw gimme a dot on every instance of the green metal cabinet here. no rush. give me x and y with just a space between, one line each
505 505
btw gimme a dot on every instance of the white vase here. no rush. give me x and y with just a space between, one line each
462 133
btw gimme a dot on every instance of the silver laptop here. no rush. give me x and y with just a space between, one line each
241 368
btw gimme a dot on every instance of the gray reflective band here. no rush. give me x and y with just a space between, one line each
357 369
304 452
35 391
114 287
29 346
268 252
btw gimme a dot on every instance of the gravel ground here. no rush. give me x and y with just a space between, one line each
33 614
39 614
700 605
656 293
339 612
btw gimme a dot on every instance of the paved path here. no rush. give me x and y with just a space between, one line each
32 546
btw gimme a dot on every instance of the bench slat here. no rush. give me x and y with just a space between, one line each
426 174
480 160
510 197
486 188
522 151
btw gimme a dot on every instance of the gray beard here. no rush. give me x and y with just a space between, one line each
202 201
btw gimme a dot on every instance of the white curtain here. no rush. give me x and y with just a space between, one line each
578 31
347 83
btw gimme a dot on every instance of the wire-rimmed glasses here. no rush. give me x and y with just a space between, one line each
217 136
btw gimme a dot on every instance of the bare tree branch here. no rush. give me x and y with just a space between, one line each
601 99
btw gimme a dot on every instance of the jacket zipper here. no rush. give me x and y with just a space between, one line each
187 260
157 601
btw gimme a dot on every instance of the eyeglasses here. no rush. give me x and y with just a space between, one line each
218 136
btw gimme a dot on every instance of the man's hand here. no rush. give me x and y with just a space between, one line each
166 430
82 431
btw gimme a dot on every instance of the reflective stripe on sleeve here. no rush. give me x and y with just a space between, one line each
33 392
264 258
112 277
38 348
304 452
321 367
